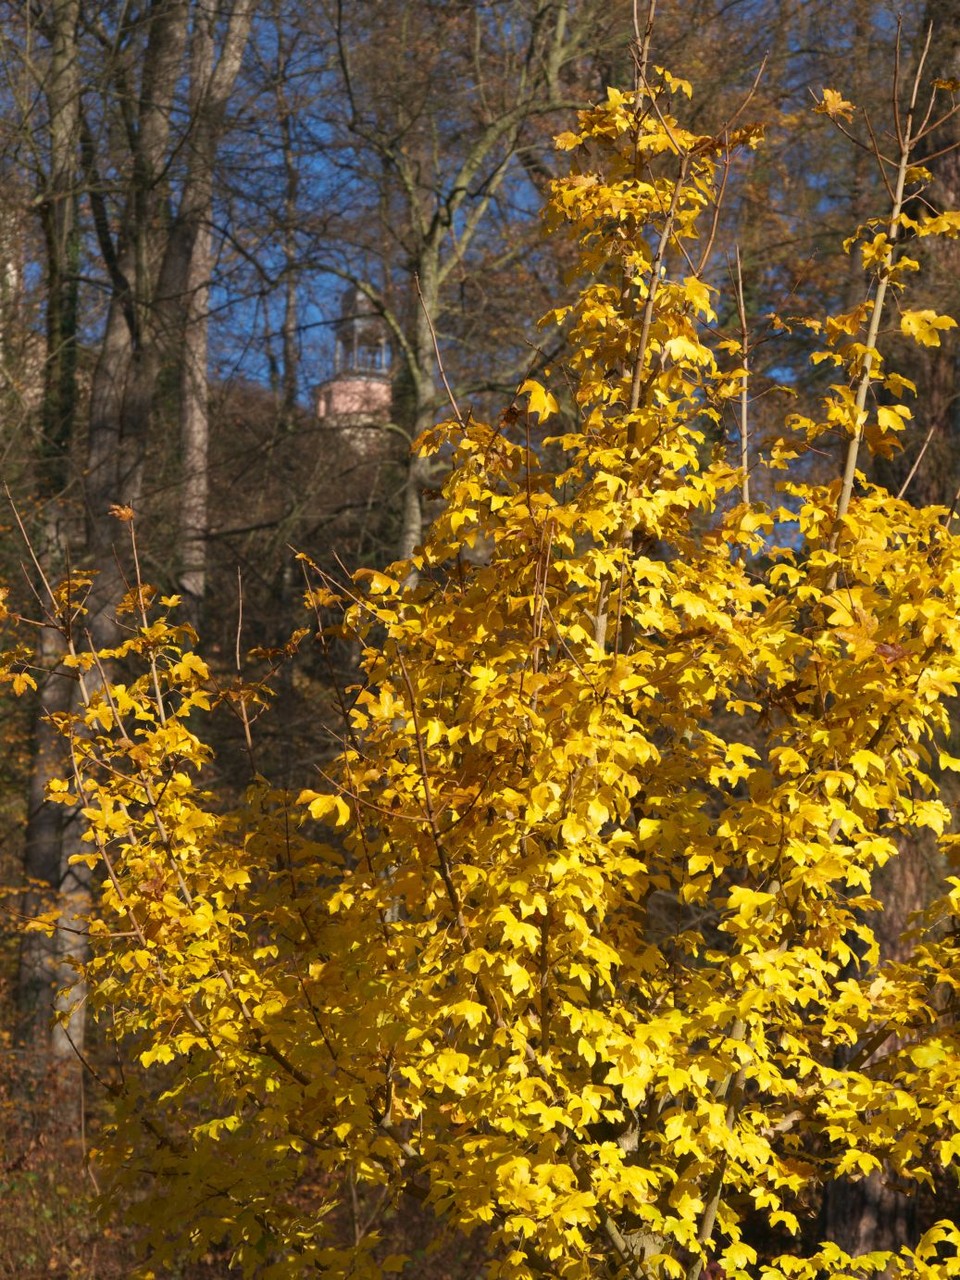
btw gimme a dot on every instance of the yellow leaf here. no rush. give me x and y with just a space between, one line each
925 326
698 294
540 400
326 807
893 417
834 105
468 1011
23 680
157 1053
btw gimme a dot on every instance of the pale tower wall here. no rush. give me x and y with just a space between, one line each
356 401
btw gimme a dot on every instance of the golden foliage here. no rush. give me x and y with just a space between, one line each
586 955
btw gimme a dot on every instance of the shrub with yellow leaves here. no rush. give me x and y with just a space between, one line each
586 957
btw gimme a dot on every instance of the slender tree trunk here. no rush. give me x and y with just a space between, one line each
130 356
39 968
931 447
875 1213
160 271
187 275
422 365
291 349
289 377
59 219
195 431
120 410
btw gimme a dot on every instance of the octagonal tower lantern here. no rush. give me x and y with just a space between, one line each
357 399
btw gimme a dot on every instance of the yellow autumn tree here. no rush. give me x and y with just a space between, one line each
584 956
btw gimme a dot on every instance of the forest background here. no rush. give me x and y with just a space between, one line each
188 191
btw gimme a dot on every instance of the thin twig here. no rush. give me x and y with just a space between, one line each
907 141
916 465
29 545
436 347
241 697
636 385
444 864
142 603
642 40
715 221
744 385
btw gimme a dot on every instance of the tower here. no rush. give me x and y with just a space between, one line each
357 399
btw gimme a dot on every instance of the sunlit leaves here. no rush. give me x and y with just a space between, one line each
834 105
591 926
925 326
541 402
569 801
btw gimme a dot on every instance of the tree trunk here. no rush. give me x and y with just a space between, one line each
875 1213
159 269
195 432
931 451
61 233
39 969
421 368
